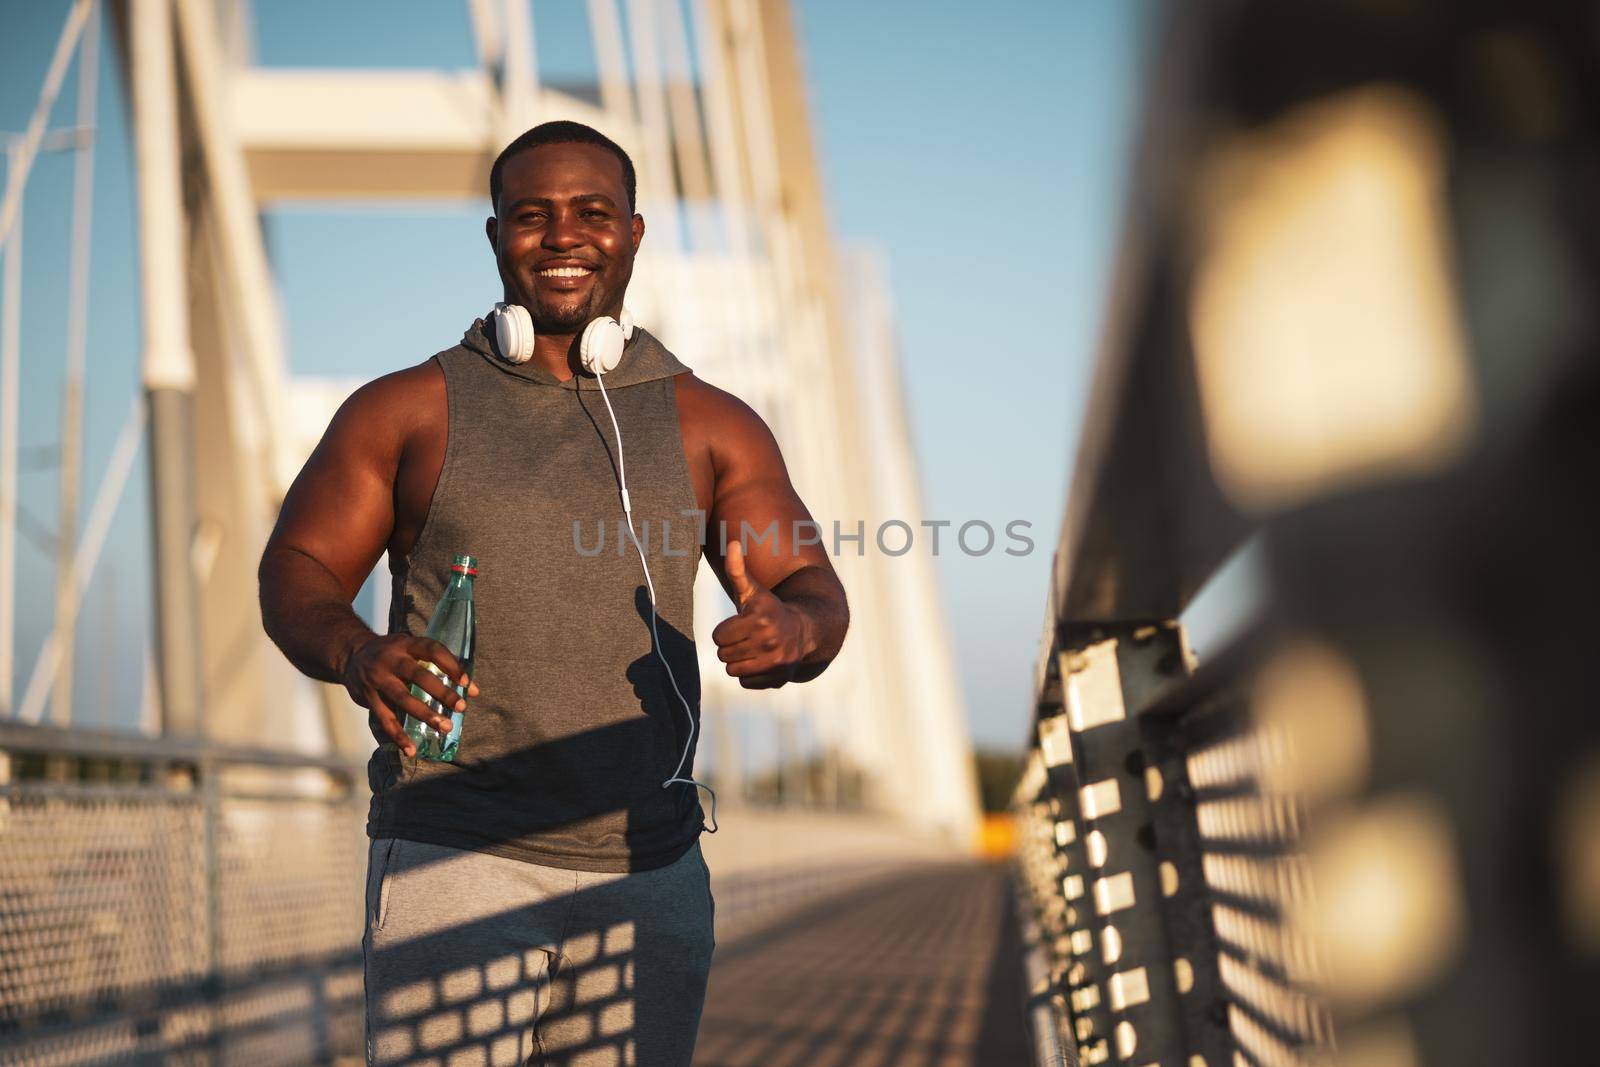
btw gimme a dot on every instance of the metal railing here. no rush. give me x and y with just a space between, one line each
1161 846
1359 834
162 899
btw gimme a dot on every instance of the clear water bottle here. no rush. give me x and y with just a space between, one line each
454 625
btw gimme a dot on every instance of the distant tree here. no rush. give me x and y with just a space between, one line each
998 772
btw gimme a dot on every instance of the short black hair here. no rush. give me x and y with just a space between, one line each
561 132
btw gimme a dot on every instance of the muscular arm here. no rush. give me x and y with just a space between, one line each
307 613
332 529
335 522
751 494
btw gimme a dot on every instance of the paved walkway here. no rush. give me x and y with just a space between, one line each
919 969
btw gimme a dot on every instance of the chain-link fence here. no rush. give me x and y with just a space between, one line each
176 903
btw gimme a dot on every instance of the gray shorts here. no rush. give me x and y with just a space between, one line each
477 959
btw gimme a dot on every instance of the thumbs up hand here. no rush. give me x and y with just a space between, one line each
767 640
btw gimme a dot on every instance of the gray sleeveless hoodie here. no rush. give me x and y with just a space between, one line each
563 755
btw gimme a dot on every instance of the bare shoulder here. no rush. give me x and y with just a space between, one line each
409 391
714 418
387 412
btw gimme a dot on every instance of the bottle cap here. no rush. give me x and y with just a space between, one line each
465 565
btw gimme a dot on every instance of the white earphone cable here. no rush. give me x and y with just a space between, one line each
655 636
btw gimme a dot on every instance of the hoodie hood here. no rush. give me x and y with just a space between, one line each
644 359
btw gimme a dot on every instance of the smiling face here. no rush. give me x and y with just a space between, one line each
563 235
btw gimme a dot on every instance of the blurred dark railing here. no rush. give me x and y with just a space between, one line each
1368 831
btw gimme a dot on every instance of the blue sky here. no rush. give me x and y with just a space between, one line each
982 147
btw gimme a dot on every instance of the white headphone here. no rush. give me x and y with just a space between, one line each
599 348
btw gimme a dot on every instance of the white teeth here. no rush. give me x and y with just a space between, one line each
565 272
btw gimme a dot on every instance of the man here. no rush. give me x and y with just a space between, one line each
542 899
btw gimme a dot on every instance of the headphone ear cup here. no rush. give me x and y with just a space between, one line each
625 320
513 332
600 347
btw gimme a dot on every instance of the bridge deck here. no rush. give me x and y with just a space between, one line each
921 968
